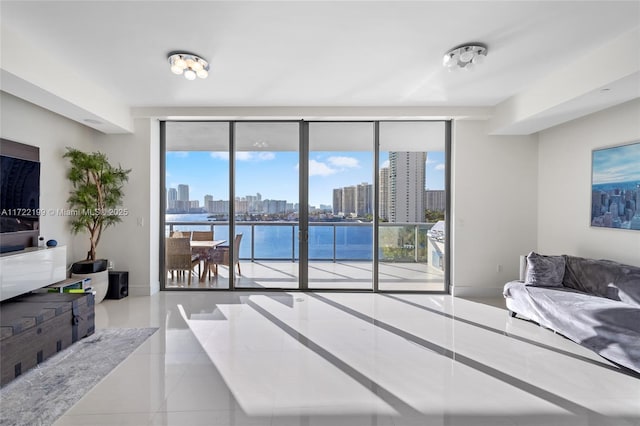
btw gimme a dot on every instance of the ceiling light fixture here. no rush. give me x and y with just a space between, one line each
466 56
189 65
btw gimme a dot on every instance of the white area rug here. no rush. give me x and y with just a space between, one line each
46 392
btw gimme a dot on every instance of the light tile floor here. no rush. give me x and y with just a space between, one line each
355 275
348 359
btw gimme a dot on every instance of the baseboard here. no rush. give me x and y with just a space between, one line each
144 290
470 291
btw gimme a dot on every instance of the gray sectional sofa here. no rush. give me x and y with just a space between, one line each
595 303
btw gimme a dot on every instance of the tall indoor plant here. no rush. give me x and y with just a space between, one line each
95 201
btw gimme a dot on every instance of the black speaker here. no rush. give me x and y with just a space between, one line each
118 284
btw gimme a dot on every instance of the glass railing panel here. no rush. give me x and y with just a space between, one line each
296 242
321 242
354 243
246 242
273 242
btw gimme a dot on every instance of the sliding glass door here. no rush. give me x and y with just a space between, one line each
412 202
305 205
196 201
267 206
341 205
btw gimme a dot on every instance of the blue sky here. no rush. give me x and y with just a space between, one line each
275 174
618 164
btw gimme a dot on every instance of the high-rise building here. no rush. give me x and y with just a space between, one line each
241 205
337 201
183 192
348 200
354 200
172 197
364 199
406 186
208 203
254 203
275 206
435 200
220 207
383 196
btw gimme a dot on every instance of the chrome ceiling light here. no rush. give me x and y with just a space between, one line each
189 65
466 56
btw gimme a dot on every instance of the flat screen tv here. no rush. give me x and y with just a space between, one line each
19 194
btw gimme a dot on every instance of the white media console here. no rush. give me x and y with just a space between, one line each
30 269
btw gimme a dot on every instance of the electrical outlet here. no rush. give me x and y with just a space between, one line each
498 267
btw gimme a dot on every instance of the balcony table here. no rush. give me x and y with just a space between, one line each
205 250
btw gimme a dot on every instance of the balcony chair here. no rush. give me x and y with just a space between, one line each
202 236
180 234
221 256
178 257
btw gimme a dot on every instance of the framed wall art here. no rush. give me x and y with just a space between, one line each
615 187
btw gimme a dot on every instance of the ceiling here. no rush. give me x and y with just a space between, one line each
308 53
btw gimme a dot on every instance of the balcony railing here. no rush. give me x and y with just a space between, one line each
328 241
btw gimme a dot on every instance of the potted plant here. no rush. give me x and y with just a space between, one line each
95 201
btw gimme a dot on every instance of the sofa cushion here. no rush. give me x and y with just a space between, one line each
544 271
599 277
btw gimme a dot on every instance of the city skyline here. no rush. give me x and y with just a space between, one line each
275 175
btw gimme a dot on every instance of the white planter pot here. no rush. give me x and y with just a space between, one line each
99 282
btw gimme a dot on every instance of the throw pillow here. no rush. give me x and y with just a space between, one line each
544 271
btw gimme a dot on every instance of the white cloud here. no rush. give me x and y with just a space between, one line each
245 156
385 164
220 155
317 168
266 156
344 162
440 167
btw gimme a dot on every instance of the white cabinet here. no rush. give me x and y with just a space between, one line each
30 269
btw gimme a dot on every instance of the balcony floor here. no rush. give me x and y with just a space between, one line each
356 275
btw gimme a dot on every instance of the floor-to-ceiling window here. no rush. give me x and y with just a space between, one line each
341 205
196 194
306 205
267 193
412 202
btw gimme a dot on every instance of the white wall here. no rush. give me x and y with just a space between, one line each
131 247
564 186
494 203
134 244
26 123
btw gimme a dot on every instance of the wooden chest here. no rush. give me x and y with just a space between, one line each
34 327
